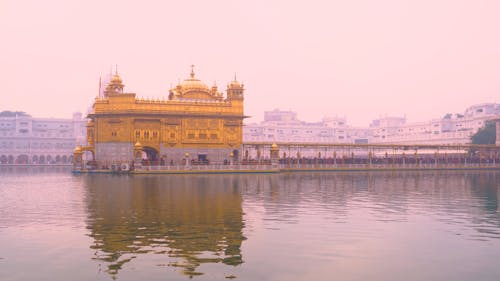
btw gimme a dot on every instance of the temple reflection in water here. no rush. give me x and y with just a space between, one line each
192 220
194 223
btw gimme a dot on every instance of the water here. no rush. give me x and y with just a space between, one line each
299 226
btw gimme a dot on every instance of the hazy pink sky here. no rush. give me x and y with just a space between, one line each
358 59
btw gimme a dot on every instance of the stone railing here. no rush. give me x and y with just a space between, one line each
216 167
388 166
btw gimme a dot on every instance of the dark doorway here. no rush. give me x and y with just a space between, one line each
151 153
22 159
202 159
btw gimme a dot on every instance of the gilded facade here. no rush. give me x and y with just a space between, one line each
195 121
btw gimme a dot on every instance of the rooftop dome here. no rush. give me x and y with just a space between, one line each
78 149
193 84
235 83
116 79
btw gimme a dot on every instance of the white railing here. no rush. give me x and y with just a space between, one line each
216 167
295 167
388 166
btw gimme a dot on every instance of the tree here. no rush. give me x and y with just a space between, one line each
486 134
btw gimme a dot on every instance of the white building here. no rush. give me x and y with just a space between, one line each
451 129
28 140
283 126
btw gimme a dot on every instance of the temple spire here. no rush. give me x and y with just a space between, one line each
192 71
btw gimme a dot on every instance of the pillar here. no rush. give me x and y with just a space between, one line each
78 158
137 155
497 121
275 153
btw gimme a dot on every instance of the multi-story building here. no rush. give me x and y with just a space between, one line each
283 126
195 122
450 129
28 140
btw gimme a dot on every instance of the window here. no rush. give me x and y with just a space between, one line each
203 136
172 135
190 136
213 136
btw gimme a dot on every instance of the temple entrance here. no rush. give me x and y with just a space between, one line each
202 159
151 155
88 159
88 155
236 155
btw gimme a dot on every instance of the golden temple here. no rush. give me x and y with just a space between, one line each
194 123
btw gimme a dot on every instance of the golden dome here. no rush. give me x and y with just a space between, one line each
192 83
78 149
116 79
137 145
274 146
235 83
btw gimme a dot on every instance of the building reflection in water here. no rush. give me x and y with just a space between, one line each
198 219
467 199
190 219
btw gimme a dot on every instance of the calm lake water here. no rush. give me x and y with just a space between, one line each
300 226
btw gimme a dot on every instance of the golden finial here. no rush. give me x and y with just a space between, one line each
116 69
192 71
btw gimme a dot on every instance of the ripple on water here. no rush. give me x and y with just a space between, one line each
307 226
